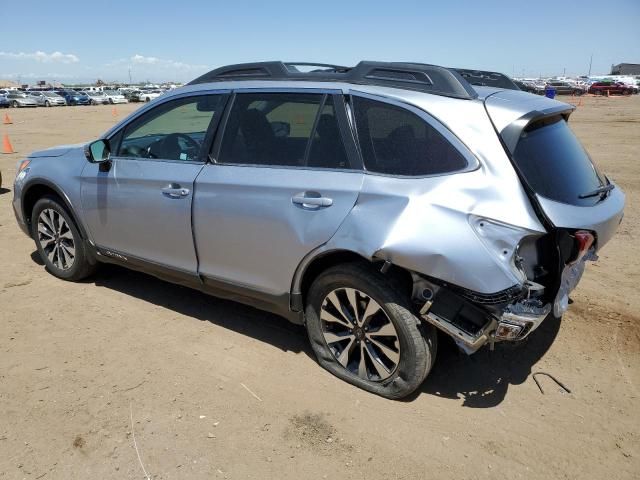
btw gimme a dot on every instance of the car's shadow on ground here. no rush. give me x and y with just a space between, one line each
234 316
481 380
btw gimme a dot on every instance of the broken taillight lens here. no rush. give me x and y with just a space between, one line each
584 241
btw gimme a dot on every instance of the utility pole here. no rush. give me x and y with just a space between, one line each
130 82
590 62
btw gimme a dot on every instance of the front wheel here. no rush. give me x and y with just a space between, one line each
47 103
363 331
15 104
58 241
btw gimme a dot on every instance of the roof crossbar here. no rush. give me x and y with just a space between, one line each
410 76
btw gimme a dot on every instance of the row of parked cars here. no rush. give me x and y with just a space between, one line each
571 88
62 97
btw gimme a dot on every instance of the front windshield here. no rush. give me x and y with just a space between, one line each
50 94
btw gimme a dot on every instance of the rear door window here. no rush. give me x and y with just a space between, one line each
554 163
396 141
283 129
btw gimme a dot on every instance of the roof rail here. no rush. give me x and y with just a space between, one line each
487 79
409 76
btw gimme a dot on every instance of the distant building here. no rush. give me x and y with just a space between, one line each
625 69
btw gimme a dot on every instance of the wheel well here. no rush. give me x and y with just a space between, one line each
398 276
35 193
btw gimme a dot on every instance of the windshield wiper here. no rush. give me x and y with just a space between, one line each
603 190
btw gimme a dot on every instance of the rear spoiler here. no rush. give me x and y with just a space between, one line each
512 132
511 112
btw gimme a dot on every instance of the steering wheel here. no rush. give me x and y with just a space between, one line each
171 149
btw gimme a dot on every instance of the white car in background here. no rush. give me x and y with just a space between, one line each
147 96
115 97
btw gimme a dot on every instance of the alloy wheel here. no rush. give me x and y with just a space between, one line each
360 334
56 239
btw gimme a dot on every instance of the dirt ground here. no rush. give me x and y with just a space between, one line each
92 373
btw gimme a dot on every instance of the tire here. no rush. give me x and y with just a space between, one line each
47 103
15 104
626 92
147 99
412 351
598 92
67 242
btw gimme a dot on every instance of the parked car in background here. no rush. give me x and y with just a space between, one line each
147 96
611 88
372 204
115 97
74 98
4 102
566 88
97 97
530 87
133 95
19 99
48 99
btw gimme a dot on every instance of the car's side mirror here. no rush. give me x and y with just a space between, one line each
98 151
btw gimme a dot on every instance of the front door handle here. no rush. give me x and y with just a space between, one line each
174 190
311 200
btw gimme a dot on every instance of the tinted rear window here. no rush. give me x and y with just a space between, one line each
555 164
396 141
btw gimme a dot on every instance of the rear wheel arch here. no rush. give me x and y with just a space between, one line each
312 268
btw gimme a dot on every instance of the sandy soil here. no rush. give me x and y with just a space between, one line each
219 390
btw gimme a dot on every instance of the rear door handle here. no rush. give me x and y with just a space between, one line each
174 190
311 200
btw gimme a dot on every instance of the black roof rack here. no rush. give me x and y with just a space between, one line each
410 76
487 79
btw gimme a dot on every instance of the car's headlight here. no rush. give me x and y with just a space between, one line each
23 170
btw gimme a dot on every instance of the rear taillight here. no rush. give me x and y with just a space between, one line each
584 241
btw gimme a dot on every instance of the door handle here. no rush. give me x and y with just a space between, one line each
311 200
175 191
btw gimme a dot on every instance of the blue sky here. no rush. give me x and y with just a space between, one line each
157 40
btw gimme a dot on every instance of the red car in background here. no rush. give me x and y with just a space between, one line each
614 88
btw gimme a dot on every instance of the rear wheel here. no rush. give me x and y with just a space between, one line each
363 331
15 104
47 103
58 240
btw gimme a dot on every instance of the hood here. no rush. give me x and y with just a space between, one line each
55 151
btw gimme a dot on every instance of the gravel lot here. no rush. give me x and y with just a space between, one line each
219 390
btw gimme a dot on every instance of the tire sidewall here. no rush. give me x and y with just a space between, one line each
416 357
79 268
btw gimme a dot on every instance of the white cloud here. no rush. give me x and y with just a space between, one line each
43 57
138 59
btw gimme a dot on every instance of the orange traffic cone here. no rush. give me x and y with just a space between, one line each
114 112
580 102
7 119
6 145
607 93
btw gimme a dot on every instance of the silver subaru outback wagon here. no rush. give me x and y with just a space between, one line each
375 204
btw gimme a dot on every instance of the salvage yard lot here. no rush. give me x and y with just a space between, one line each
220 390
